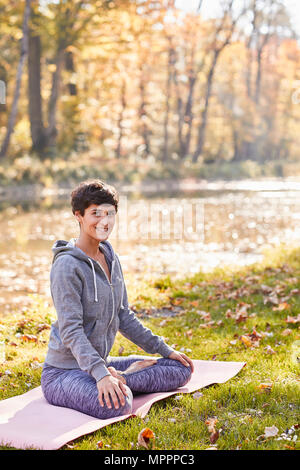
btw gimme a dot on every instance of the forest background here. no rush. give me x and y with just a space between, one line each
147 90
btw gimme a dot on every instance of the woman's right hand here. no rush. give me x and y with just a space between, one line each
111 388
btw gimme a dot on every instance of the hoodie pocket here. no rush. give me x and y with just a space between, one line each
98 332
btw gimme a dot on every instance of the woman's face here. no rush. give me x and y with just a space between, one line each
98 220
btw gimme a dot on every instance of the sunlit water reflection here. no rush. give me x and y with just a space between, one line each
178 234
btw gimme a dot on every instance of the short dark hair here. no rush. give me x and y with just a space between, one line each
93 191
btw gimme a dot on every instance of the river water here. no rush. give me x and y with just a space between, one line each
160 230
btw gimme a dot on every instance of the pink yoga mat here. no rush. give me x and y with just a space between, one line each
28 421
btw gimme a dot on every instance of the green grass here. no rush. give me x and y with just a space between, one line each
242 408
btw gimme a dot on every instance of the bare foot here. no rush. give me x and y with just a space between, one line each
117 374
140 365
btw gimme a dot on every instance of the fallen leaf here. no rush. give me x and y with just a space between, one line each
271 431
204 315
247 341
273 299
214 433
286 332
229 313
269 350
43 326
36 365
29 338
290 319
266 289
189 333
282 306
179 301
255 335
266 386
241 314
214 437
145 436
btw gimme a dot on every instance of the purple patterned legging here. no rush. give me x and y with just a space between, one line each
76 389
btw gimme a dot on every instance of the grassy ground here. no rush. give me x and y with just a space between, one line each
245 320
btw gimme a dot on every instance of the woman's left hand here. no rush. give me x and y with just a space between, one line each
185 360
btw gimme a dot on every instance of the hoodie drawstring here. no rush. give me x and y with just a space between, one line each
122 306
95 284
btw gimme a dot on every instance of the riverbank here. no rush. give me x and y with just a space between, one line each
249 315
29 171
35 192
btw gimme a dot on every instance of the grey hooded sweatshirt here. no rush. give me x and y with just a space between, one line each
90 310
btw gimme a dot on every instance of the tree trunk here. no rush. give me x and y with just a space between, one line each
188 116
203 124
51 130
120 120
69 66
24 52
143 115
168 96
179 112
34 94
258 76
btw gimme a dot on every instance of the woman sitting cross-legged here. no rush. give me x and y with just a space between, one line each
90 298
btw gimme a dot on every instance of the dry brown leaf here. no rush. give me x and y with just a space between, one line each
271 431
229 313
247 341
266 386
43 326
145 437
282 306
255 336
269 350
205 315
266 289
273 299
29 338
286 332
178 301
290 319
241 314
214 433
